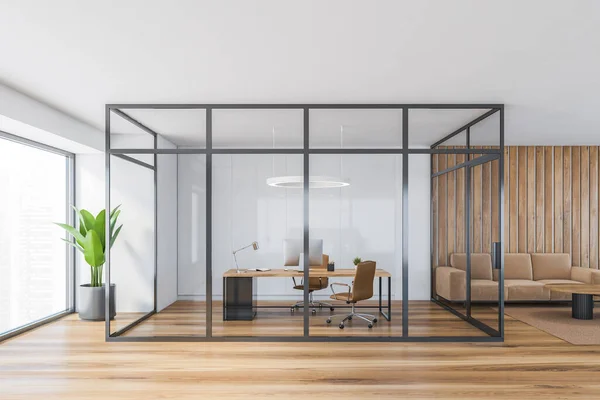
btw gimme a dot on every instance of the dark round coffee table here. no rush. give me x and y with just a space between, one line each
582 295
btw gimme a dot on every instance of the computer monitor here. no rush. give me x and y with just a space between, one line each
292 248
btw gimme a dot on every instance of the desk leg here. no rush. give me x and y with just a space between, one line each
387 316
380 310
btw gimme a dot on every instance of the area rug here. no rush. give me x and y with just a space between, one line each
557 321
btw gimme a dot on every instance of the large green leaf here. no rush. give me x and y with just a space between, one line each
113 220
88 219
100 227
92 249
82 227
114 210
114 236
74 232
77 246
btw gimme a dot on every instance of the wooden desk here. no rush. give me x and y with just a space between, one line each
239 289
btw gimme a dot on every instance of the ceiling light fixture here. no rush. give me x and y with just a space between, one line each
314 182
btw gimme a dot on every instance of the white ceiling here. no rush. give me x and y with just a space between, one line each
539 57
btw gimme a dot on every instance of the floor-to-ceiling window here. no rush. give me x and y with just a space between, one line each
35 264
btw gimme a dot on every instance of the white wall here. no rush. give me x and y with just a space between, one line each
37 121
363 219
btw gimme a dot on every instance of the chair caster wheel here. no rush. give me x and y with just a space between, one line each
314 312
331 308
349 318
370 326
328 320
375 320
341 326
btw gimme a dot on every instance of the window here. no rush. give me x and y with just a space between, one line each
35 264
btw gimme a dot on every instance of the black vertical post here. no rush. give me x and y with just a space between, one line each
468 237
468 226
306 235
209 222
404 222
107 211
155 224
501 228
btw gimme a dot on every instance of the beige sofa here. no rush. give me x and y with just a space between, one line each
524 277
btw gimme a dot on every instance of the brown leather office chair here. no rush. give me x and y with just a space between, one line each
361 289
316 283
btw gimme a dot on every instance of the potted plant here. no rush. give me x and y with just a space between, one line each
356 261
90 240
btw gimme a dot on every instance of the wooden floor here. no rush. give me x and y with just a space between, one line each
187 318
69 359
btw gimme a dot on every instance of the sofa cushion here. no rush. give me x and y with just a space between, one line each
518 266
558 295
525 290
481 264
484 290
551 266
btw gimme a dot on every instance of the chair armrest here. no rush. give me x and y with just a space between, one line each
583 275
451 283
341 284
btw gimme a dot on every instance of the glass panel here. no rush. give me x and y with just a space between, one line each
485 231
255 225
126 135
256 129
355 128
132 255
426 127
33 258
177 128
361 219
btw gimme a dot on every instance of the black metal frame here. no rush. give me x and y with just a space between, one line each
305 151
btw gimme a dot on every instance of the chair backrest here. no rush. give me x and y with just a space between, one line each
323 282
363 281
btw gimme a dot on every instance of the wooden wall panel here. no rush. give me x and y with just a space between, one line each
576 204
486 208
451 190
477 196
530 199
558 200
460 206
567 247
539 199
513 201
522 202
548 211
593 207
551 203
585 206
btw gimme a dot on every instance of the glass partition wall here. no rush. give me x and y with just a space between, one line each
303 222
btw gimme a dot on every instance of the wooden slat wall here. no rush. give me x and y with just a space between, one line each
551 204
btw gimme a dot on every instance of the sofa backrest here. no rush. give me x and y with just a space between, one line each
481 264
551 266
518 266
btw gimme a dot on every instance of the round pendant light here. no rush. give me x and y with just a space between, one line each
314 182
